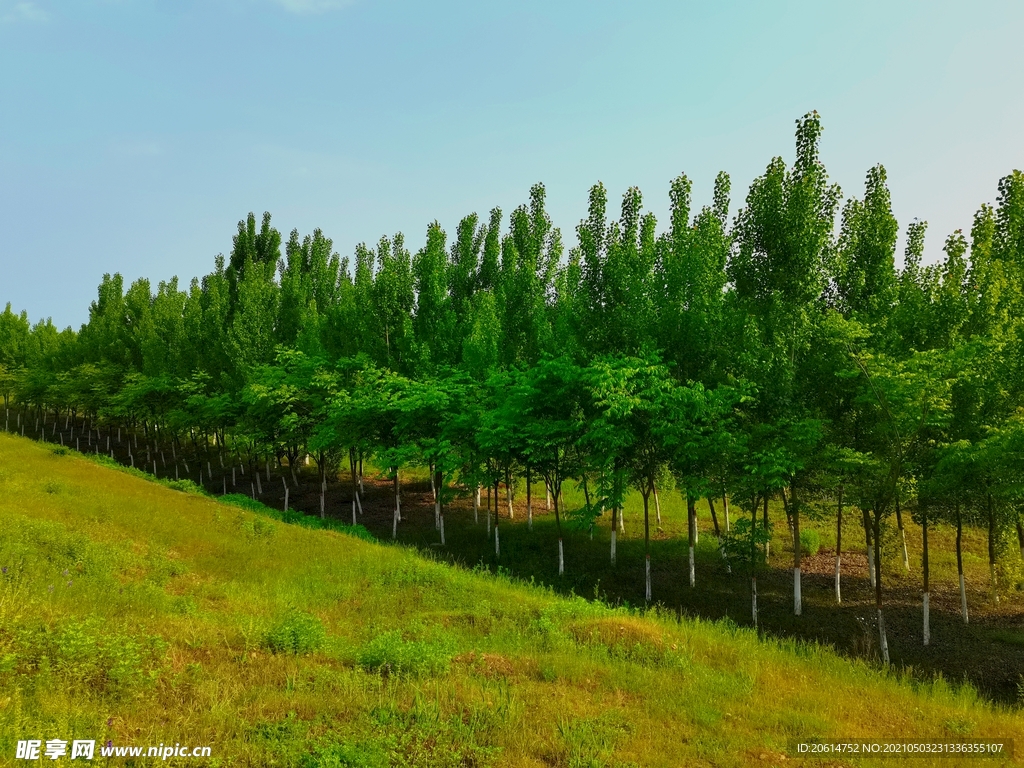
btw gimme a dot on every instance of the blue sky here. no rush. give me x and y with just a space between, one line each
134 134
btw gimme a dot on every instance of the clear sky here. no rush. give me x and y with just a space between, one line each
134 134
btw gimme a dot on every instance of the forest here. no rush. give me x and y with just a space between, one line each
774 354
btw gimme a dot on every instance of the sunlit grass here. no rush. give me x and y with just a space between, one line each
132 612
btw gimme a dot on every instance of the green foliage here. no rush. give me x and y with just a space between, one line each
296 632
810 541
389 654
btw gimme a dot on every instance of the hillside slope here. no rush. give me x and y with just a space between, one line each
138 614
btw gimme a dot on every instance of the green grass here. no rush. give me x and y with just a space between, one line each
138 613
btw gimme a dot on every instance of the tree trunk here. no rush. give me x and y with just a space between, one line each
870 547
725 510
903 534
557 493
497 544
714 518
397 516
794 509
508 495
439 484
647 543
753 561
718 534
1020 536
476 505
839 544
615 516
960 561
768 543
924 569
992 548
691 530
529 500
435 483
586 499
397 505
883 641
355 483
657 503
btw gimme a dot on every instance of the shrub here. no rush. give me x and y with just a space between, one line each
810 541
389 654
297 632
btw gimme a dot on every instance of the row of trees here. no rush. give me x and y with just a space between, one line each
779 354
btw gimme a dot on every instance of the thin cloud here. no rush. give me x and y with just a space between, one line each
23 11
312 6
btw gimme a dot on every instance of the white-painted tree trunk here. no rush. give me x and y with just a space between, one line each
359 503
797 601
963 599
927 624
394 524
839 594
613 545
437 513
993 582
725 557
476 506
906 558
883 642
529 514
497 543
508 497
561 559
871 564
657 506
488 522
442 530
648 581
693 569
286 498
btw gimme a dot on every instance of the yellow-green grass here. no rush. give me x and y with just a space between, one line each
143 615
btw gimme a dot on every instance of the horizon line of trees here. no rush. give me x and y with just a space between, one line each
776 353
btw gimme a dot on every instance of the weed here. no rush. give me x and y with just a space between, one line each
296 632
389 654
810 541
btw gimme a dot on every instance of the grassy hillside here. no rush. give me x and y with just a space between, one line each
144 615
